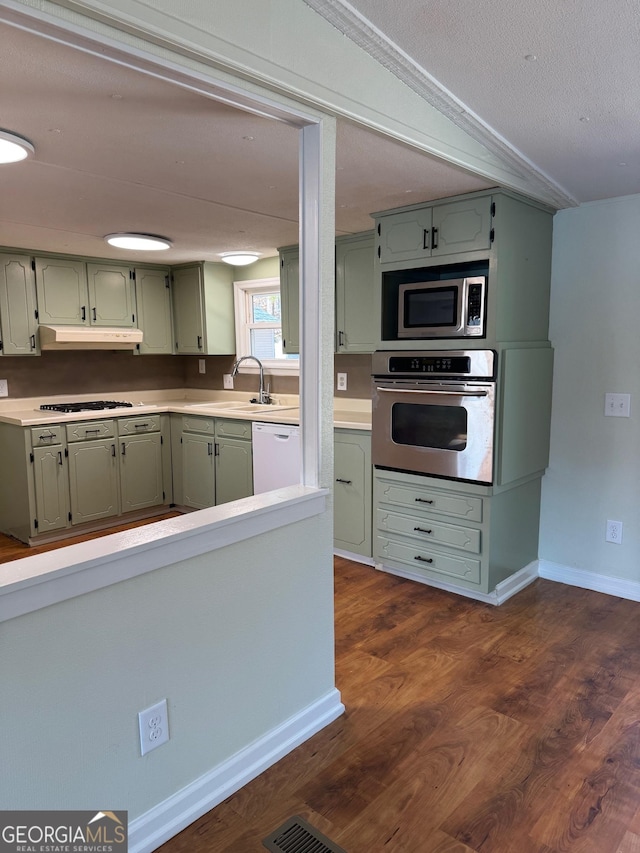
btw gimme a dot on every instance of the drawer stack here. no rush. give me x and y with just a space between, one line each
430 531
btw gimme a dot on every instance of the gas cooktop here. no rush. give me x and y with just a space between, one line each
86 406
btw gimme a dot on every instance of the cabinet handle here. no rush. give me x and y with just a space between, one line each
93 311
423 530
340 339
434 238
46 437
423 501
340 480
59 457
141 426
124 449
33 342
199 341
425 238
94 431
423 559
84 312
113 450
209 448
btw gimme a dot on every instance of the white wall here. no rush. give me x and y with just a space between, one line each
594 473
238 641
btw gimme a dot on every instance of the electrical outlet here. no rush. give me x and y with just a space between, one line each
4 388
614 532
341 384
227 381
154 727
617 405
202 365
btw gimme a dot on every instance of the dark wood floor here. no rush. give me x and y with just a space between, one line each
468 728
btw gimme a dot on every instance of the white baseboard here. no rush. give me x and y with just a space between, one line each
150 830
503 591
356 558
589 580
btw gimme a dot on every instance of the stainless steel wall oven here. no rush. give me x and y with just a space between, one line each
434 413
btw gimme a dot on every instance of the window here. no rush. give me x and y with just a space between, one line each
259 324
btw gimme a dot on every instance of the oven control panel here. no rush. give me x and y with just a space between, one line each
464 363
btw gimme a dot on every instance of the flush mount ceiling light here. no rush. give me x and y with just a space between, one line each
138 242
14 148
240 259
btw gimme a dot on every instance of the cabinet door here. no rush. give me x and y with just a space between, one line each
141 471
405 236
153 303
198 471
354 294
290 299
51 482
93 480
61 286
352 492
18 314
110 295
234 470
461 226
188 310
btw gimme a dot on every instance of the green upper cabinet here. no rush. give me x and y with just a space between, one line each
290 298
429 231
111 296
18 313
61 285
355 276
153 305
203 311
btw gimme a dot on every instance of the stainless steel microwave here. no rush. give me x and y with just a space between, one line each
447 308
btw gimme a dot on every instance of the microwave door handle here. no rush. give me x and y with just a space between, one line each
433 391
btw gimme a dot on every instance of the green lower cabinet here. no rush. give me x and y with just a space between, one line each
198 471
352 492
51 486
461 535
234 470
93 480
141 471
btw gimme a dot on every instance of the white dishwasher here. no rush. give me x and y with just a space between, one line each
277 456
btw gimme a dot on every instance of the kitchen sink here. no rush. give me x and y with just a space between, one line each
239 406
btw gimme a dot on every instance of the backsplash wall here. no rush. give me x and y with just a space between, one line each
97 372
87 372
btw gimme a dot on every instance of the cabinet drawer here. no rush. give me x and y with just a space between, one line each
191 423
44 436
232 429
429 530
431 500
140 424
88 430
446 567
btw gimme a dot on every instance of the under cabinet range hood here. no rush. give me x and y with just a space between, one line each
88 337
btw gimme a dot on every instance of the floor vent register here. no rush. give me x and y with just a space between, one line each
297 836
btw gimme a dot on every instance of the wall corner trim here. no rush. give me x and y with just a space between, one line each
163 821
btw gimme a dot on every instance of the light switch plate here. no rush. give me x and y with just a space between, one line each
341 383
617 405
4 388
227 381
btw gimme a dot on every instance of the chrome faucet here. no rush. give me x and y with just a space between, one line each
263 396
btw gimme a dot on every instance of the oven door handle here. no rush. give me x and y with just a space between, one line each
433 391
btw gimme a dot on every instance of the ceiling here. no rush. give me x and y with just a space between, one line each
118 150
557 81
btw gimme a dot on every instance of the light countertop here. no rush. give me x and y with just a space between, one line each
348 413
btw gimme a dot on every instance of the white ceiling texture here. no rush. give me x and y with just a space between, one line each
552 85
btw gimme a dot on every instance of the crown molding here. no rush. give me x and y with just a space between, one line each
362 32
